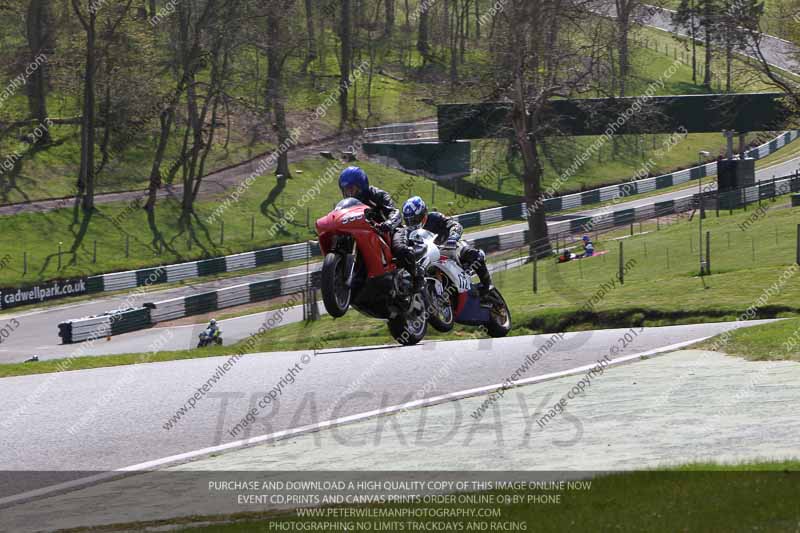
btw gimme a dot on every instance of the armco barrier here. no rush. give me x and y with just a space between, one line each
623 190
198 304
98 327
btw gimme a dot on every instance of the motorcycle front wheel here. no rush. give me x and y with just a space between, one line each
335 293
410 328
442 315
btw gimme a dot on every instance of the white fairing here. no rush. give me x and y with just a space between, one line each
435 259
432 253
455 273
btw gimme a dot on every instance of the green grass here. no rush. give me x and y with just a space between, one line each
38 234
655 292
777 341
707 497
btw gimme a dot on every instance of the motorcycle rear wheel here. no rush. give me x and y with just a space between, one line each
335 294
500 317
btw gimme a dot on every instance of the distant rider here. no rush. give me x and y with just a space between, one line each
213 328
448 236
588 247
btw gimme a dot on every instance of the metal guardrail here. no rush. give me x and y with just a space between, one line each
403 133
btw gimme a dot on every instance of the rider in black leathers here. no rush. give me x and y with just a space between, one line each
448 235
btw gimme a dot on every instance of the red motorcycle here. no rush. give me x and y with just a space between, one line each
359 271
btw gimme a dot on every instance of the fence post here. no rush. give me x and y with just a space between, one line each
708 253
127 245
536 262
94 252
433 193
221 232
798 244
621 264
59 255
24 263
252 227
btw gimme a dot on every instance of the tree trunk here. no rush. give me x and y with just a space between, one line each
390 17
453 36
539 242
477 19
275 96
311 52
165 118
86 171
623 30
345 65
423 46
728 65
39 32
708 31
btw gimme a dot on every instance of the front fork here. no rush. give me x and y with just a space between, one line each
350 265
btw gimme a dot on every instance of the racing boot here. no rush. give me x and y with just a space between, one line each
486 279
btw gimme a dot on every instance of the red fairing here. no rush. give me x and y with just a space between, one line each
375 251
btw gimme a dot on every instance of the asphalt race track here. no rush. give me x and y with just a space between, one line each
112 418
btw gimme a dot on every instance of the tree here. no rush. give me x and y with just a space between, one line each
543 50
345 59
88 20
277 52
731 34
40 33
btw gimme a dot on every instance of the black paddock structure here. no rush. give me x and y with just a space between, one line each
704 113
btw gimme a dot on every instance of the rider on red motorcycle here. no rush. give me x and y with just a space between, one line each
448 232
353 183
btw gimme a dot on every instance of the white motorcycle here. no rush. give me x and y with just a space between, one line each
453 297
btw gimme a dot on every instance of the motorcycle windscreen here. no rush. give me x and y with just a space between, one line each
347 203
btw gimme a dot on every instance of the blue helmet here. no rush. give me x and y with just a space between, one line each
414 212
585 238
353 183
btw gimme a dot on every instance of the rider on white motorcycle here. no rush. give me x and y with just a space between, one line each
448 236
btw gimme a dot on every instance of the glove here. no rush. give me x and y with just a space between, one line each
450 244
385 227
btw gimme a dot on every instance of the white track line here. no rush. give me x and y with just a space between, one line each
426 402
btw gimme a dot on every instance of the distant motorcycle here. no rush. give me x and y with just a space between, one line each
208 336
